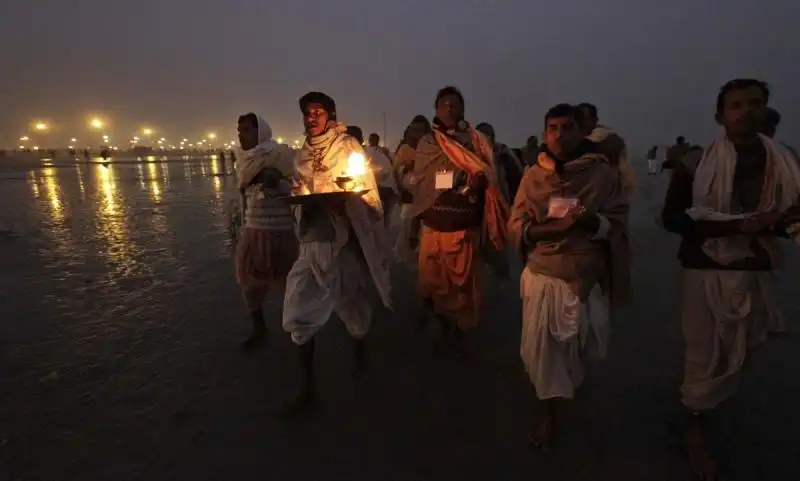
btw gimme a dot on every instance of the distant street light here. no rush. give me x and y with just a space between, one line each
147 131
41 126
96 123
212 136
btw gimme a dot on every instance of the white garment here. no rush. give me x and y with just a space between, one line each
651 166
324 158
401 230
558 332
713 185
382 168
724 312
252 161
322 282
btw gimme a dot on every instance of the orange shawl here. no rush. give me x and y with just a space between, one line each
495 207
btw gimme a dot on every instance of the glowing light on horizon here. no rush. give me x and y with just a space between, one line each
96 123
41 126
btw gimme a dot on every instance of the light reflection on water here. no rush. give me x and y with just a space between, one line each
92 236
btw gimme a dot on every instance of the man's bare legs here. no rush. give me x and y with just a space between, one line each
701 461
543 434
259 333
306 397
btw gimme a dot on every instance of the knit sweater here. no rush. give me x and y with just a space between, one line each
267 210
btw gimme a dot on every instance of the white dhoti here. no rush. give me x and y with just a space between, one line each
559 332
651 166
722 313
322 282
401 230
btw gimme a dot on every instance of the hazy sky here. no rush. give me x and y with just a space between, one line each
187 67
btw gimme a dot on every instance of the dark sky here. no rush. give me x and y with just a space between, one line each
189 67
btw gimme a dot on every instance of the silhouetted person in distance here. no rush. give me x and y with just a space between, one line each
375 142
770 125
651 160
675 153
530 152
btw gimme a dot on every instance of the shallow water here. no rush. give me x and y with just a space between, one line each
119 359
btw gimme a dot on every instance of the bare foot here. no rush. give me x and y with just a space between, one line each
256 339
543 435
701 462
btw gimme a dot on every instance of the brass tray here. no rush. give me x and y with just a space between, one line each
322 197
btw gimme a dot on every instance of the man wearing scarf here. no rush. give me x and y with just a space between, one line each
268 246
611 145
772 118
343 250
509 167
406 232
729 203
570 225
458 199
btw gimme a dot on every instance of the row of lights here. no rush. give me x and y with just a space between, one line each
97 123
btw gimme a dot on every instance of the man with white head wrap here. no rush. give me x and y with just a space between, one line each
343 250
267 248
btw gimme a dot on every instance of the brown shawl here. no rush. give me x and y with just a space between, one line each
575 258
437 152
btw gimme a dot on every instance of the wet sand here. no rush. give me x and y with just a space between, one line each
119 359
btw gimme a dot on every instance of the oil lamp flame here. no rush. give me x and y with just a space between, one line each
356 164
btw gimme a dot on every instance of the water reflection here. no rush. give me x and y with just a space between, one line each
108 188
34 183
112 222
81 185
216 182
108 226
53 194
155 189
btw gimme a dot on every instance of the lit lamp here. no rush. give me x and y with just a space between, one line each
352 179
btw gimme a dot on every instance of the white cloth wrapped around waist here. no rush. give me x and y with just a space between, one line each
724 250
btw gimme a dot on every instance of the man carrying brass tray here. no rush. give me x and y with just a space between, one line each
343 247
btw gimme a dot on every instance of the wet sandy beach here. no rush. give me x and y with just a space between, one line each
119 358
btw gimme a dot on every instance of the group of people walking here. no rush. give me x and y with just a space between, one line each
455 205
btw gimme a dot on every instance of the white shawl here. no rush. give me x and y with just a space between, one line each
713 185
382 168
267 153
365 212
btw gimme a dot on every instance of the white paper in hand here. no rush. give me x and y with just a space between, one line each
444 180
559 206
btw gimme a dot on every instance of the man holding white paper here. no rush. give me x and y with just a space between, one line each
569 222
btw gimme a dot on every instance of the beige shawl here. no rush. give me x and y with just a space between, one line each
575 258
626 172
